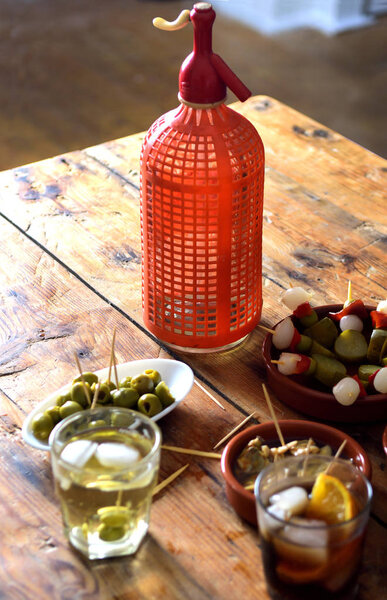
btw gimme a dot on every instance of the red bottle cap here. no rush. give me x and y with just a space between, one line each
204 76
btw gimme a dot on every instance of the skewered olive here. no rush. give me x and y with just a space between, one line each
54 413
110 534
149 405
125 382
69 408
304 345
62 398
154 375
125 397
89 378
142 383
309 320
78 394
42 426
97 423
164 394
103 395
110 384
351 346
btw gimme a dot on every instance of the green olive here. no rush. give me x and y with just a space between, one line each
121 420
163 392
69 408
54 413
126 397
42 426
110 384
103 396
89 378
79 395
154 375
142 383
125 382
111 534
113 516
97 423
309 320
149 405
62 398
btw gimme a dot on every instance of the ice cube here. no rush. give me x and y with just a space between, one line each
269 524
293 501
78 453
117 456
304 541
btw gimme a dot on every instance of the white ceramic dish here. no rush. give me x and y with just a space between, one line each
177 375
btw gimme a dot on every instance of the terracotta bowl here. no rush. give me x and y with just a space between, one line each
242 500
309 397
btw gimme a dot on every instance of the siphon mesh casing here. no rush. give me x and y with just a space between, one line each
202 174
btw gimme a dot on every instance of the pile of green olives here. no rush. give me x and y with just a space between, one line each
147 393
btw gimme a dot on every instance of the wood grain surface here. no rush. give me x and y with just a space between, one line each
70 273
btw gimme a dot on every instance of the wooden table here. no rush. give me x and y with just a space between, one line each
70 273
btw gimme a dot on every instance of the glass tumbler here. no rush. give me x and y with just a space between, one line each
105 463
305 556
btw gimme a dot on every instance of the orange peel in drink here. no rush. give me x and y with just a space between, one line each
330 501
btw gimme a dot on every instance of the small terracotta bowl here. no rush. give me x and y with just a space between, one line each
242 500
309 397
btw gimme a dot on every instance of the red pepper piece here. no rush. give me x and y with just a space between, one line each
379 319
295 340
303 364
355 308
304 310
362 392
372 377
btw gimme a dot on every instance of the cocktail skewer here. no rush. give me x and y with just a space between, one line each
86 389
226 437
111 356
192 451
266 328
339 451
168 480
209 395
307 454
270 406
95 397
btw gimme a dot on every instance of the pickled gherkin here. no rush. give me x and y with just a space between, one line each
376 345
351 346
329 371
324 332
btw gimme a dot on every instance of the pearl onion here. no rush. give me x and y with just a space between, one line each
346 391
380 381
288 362
382 307
295 296
351 322
283 334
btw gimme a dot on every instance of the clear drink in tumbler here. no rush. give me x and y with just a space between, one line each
105 463
312 517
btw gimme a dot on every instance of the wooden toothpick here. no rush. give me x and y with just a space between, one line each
270 406
209 395
192 451
266 328
339 451
86 389
168 480
95 397
349 294
111 356
226 437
